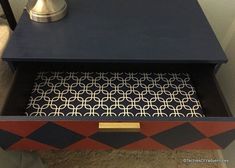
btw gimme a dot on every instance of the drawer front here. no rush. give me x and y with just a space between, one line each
152 135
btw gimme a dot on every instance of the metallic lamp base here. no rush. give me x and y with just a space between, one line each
46 10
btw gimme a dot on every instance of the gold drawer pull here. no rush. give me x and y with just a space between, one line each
119 126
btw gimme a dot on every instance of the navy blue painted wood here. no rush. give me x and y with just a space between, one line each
119 31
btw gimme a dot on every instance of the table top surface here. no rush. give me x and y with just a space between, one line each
158 31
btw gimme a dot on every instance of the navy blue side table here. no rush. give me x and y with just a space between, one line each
140 31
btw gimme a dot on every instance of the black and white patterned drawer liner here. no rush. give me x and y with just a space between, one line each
109 94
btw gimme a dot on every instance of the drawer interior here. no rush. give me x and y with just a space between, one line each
113 90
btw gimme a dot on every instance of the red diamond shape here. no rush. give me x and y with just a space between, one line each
150 128
27 144
210 128
21 128
145 144
88 144
201 144
85 128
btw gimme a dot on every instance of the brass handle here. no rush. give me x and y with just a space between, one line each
119 126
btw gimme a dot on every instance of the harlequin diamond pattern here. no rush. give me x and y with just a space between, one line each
178 136
117 139
55 135
7 139
175 136
224 139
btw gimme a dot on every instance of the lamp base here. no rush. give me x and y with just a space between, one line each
46 10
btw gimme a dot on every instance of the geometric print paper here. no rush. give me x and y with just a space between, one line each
113 94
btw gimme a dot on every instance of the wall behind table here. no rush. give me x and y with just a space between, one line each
17 7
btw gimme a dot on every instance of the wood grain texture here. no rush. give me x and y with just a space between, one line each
120 31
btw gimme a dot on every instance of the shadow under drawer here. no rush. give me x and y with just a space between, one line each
61 106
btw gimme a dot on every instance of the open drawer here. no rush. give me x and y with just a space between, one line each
110 106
